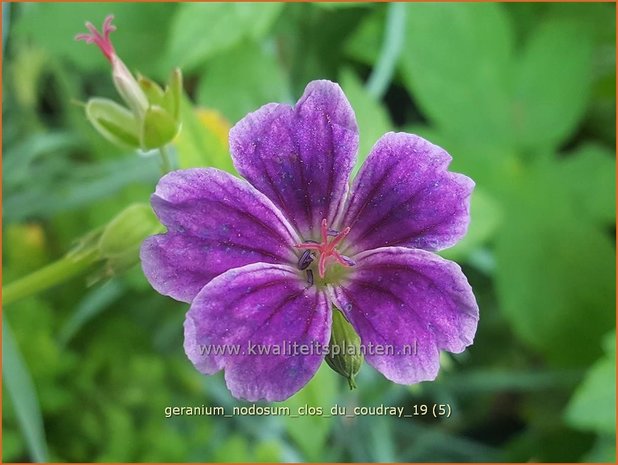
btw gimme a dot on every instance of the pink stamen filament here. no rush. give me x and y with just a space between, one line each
326 249
100 40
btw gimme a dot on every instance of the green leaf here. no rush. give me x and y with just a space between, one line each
203 139
599 19
241 81
25 72
13 448
21 391
555 272
488 164
202 30
495 379
551 84
604 450
94 302
593 405
81 186
485 217
19 159
310 432
139 25
456 63
364 43
310 41
340 5
371 116
590 173
268 451
233 450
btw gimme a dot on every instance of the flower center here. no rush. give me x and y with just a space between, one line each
326 249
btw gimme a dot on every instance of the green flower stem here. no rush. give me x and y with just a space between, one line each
166 164
49 276
394 35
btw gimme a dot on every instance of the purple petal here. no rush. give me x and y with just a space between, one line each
258 307
215 222
404 196
300 157
408 299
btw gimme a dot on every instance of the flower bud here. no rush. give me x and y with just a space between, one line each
168 99
158 128
128 88
152 119
161 122
120 240
344 351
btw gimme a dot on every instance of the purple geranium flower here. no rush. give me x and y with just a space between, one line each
263 261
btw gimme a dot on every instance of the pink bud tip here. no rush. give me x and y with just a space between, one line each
101 40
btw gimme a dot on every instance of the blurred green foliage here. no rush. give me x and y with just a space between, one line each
522 96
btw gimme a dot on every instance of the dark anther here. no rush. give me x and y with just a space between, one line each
305 260
310 277
347 260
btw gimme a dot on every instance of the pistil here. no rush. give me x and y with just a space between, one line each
100 40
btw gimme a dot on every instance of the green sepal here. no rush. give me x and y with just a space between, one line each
151 89
168 99
158 128
114 122
344 350
121 239
173 94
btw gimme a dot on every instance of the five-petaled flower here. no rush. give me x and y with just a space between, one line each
264 260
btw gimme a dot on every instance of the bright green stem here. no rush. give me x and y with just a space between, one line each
394 35
166 164
49 276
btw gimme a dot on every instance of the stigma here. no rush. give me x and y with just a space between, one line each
101 40
127 86
326 249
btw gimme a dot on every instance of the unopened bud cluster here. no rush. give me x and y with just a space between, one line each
151 117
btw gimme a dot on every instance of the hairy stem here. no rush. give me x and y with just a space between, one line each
47 277
166 164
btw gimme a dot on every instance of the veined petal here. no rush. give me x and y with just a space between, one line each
301 157
252 309
404 196
215 222
412 301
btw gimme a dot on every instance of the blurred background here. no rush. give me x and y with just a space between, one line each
522 96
